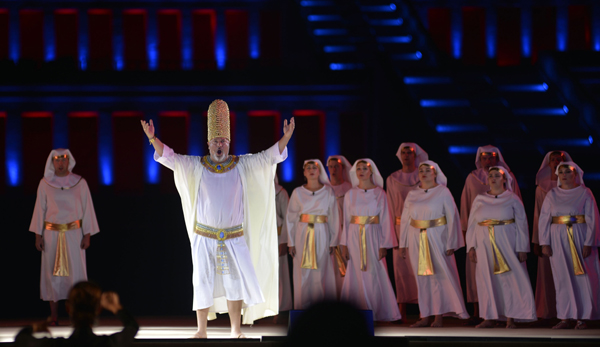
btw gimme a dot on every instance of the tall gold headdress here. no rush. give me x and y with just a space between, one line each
218 120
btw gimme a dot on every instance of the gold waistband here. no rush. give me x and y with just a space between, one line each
426 224
398 220
364 220
62 227
568 219
312 218
493 222
219 234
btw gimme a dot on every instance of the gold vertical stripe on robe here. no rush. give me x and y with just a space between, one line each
61 260
398 220
500 265
309 254
569 221
362 221
425 267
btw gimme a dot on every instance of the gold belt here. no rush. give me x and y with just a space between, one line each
61 260
219 234
425 267
569 221
398 220
500 265
361 221
309 254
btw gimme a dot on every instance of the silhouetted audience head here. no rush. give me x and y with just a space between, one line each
329 324
83 303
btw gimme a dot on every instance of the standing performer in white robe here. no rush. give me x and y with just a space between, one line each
285 289
498 243
63 221
475 184
569 234
313 225
545 294
339 176
368 233
430 228
225 197
398 184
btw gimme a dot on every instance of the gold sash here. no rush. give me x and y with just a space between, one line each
569 221
361 221
340 261
500 265
61 260
425 264
309 254
398 220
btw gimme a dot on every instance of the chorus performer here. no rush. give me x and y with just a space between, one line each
285 289
313 225
368 233
569 235
430 228
498 243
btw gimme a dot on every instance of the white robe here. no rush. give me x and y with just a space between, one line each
285 289
439 293
313 286
370 289
506 295
62 206
257 250
398 185
545 294
577 297
475 184
340 191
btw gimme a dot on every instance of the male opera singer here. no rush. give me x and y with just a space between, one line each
228 204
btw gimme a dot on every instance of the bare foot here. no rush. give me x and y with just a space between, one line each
199 335
423 322
486 324
437 323
238 336
580 325
564 324
511 326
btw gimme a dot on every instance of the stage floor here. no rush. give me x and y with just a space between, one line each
185 327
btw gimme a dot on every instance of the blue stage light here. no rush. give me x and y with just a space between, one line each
462 149
524 87
592 176
565 109
395 39
386 22
460 128
541 111
545 86
426 80
345 66
444 103
590 139
338 49
407 56
316 3
456 43
324 17
566 142
378 8
330 32
419 55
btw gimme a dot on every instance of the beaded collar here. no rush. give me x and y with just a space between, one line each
223 167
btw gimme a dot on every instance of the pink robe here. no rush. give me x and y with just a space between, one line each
398 185
476 184
285 290
439 293
340 191
545 294
370 289
509 294
577 297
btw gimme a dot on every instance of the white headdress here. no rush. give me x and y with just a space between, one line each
544 173
49 172
579 178
507 175
421 155
323 179
345 165
375 176
440 178
490 149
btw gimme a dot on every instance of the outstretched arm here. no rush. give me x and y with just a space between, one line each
288 130
158 145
